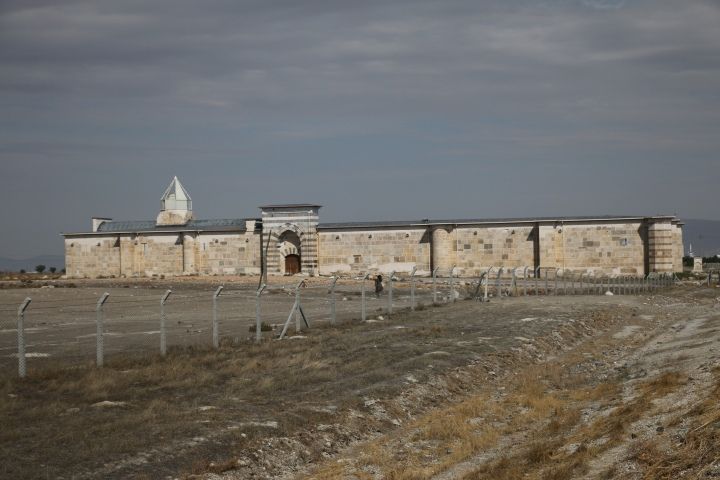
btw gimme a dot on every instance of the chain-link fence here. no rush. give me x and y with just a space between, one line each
42 327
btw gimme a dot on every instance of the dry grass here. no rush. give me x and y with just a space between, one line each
546 400
548 457
664 384
697 453
444 437
51 410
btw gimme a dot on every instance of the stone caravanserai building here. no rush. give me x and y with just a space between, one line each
289 239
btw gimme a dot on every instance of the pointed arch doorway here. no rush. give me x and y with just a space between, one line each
289 250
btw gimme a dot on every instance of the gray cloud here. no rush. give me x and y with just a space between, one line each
610 105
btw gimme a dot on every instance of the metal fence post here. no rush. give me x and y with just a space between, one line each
258 320
557 270
364 309
536 272
546 282
332 300
513 283
487 283
476 295
390 293
434 282
412 289
215 325
298 325
163 338
100 332
497 283
525 281
22 367
452 285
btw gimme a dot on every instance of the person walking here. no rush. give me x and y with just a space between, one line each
378 285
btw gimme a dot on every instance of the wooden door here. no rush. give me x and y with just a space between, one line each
292 264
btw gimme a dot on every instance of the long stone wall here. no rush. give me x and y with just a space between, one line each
228 254
159 255
608 248
170 254
479 248
383 250
92 257
604 247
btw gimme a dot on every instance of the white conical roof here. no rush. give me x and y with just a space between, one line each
176 197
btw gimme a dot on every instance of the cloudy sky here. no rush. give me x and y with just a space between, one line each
375 109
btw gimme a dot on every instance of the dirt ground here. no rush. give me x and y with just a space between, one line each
532 387
60 323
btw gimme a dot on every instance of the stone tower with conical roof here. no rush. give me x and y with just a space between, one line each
175 205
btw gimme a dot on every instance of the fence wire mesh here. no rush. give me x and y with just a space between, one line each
60 326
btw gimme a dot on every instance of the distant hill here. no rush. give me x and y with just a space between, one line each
28 264
704 236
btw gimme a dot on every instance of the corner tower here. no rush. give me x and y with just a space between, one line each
175 205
